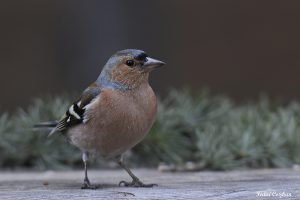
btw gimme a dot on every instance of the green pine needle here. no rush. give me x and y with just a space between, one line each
210 131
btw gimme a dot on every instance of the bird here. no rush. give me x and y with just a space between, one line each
114 113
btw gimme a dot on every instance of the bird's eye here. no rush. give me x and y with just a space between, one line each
130 63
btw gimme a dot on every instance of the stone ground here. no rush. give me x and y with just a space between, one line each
270 183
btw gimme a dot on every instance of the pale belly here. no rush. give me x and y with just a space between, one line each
116 126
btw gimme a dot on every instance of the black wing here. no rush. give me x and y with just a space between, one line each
76 113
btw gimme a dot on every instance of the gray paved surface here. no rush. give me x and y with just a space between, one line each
187 185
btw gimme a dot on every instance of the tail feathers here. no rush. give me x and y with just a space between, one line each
52 124
47 125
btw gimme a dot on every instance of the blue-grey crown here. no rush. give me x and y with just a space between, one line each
103 78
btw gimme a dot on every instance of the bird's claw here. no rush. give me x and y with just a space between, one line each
88 186
135 183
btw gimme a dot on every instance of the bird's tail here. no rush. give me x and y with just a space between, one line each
49 125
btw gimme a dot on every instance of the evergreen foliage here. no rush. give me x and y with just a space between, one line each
210 131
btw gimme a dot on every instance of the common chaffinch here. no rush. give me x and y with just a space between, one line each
114 113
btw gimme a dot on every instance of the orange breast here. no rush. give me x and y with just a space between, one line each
117 121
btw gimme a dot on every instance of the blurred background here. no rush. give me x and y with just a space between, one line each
238 48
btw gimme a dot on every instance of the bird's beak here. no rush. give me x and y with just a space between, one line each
152 63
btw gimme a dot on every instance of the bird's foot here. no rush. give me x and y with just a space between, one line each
87 185
135 183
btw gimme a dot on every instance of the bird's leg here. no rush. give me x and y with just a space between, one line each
86 182
135 180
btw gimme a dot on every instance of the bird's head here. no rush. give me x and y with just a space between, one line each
128 68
